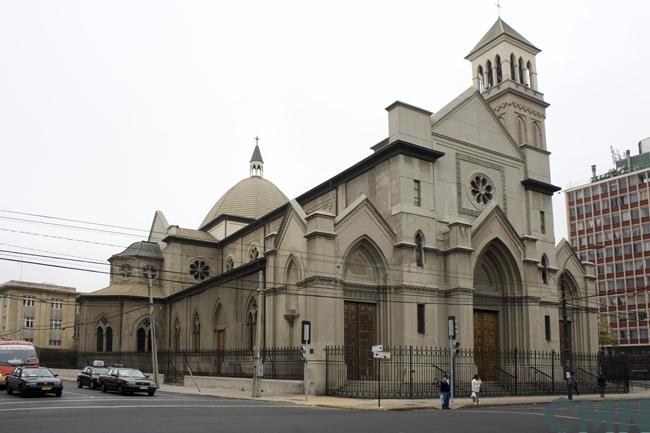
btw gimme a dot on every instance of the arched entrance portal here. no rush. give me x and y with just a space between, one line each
363 277
498 310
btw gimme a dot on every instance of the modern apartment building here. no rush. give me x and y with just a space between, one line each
609 224
44 314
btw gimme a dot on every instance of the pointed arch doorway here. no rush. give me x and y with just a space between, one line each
363 276
498 319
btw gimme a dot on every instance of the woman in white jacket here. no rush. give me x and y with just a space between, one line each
476 389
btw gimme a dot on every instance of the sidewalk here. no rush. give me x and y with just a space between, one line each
362 404
371 404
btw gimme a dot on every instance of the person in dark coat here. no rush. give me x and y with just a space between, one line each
573 383
445 391
601 385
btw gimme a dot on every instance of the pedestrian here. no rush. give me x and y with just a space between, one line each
445 390
601 385
476 389
573 383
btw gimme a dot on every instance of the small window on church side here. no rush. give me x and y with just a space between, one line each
419 250
547 327
542 222
416 193
421 327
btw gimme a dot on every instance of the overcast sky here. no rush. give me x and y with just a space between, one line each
111 110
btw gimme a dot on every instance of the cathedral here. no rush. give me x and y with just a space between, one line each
450 215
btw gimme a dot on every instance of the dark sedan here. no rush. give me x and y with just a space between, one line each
89 377
34 380
127 381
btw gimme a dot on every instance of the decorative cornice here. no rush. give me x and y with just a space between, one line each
539 186
321 234
502 106
388 151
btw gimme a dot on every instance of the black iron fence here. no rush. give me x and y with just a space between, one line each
415 372
279 363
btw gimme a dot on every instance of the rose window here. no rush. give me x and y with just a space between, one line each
199 269
481 189
124 271
230 264
253 253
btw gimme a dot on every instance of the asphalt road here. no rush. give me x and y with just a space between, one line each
86 411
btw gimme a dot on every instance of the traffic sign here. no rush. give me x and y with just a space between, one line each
381 355
377 348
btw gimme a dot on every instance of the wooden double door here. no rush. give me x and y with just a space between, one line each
360 330
486 343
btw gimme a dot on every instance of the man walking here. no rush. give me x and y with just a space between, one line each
445 390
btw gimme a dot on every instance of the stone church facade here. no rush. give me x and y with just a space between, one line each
450 215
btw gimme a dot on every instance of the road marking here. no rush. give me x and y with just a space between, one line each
80 399
542 414
75 393
151 406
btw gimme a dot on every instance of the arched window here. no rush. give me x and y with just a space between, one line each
419 249
100 339
529 71
219 334
537 135
497 61
196 333
513 75
143 337
109 339
177 335
251 324
490 78
521 70
481 79
521 131
544 269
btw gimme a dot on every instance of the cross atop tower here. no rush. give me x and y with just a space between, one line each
499 7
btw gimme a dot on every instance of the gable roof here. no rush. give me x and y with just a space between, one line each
493 134
499 28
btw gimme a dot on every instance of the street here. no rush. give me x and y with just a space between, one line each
83 410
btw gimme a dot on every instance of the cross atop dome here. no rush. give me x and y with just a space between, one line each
257 163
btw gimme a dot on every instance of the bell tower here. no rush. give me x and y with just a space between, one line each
504 70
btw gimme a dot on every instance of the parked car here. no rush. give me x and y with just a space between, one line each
89 376
34 380
127 380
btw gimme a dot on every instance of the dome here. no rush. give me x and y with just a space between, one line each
251 198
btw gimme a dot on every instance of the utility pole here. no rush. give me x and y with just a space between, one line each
148 271
257 376
565 337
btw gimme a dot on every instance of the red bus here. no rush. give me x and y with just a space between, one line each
14 354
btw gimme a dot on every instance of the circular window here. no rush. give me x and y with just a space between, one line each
149 271
199 269
482 189
124 271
